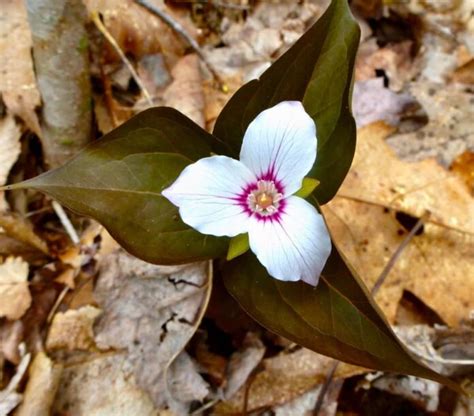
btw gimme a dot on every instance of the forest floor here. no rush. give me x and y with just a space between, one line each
87 329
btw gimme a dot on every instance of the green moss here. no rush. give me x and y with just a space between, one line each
83 44
67 142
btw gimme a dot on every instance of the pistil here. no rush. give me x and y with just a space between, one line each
265 199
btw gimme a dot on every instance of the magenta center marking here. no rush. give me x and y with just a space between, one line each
263 199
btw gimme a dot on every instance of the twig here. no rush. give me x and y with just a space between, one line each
59 210
325 387
388 267
379 282
223 5
96 19
389 206
205 406
108 99
176 26
57 304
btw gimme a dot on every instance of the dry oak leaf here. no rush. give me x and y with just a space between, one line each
438 265
100 387
283 378
137 31
152 312
17 80
72 330
15 297
463 166
185 93
22 230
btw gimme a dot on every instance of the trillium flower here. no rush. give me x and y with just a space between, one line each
222 196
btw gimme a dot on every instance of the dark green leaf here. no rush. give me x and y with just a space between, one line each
118 181
337 318
317 70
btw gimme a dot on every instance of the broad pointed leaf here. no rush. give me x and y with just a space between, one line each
118 181
316 70
337 318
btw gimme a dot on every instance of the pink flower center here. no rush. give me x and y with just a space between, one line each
265 199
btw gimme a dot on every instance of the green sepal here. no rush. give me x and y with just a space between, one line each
238 245
307 187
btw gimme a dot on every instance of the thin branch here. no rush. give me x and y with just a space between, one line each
96 19
224 5
59 210
395 208
179 29
388 267
325 387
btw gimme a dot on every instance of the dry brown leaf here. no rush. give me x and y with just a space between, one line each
72 330
285 377
242 363
271 28
464 74
150 311
424 392
154 74
449 131
372 101
100 386
21 229
11 335
305 404
17 82
137 31
438 266
10 148
185 93
215 98
12 247
44 378
463 166
395 59
15 297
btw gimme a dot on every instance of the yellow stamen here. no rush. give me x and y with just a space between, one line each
264 200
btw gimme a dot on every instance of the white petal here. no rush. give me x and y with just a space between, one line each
207 193
294 247
280 143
